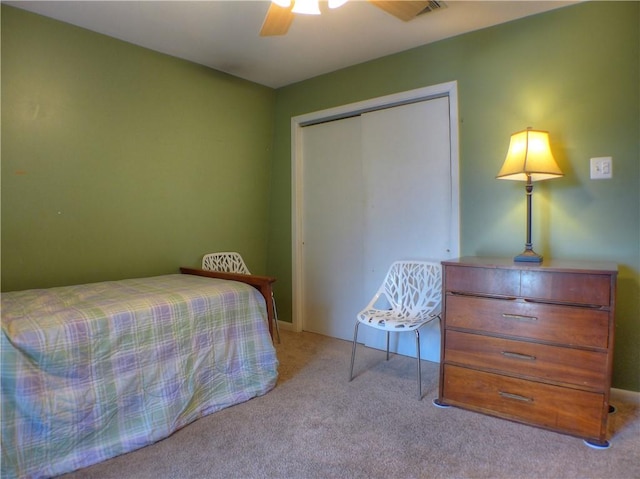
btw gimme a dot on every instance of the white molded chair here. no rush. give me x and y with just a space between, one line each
231 262
409 298
225 263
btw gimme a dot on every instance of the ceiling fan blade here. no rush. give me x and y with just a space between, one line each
404 10
277 21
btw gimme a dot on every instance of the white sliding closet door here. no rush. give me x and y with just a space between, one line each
408 197
377 188
333 226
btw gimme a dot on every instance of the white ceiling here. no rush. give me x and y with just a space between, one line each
223 34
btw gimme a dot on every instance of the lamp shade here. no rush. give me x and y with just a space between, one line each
529 156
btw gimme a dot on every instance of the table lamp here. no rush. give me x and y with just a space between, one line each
529 159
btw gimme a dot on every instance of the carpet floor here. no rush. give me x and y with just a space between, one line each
317 424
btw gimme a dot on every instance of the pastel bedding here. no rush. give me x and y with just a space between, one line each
96 370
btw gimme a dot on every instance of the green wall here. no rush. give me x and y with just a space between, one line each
573 71
120 162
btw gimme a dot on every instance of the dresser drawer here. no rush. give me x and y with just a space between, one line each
561 409
502 282
588 289
566 325
550 363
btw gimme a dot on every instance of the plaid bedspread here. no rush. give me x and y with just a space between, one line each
93 371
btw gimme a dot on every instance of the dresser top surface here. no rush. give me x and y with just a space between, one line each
602 267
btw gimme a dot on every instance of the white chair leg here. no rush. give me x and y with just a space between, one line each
353 350
419 367
387 345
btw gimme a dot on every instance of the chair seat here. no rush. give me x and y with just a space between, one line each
387 320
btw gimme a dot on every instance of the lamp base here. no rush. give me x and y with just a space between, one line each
528 256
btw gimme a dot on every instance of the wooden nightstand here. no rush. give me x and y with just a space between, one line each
531 343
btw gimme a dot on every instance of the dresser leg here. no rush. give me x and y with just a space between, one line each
436 402
597 444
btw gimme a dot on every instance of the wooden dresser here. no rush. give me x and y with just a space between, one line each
531 343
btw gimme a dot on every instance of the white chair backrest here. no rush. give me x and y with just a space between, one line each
412 286
227 262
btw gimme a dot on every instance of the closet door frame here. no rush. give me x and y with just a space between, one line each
449 89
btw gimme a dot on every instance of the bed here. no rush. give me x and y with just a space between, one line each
96 370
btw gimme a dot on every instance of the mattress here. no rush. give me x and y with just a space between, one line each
96 370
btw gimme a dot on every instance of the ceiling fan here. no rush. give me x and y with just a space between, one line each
281 12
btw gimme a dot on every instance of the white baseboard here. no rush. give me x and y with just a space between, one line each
284 325
624 395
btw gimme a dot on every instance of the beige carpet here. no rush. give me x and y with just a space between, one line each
316 424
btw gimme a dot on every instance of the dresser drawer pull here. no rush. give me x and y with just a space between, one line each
519 317
525 357
517 397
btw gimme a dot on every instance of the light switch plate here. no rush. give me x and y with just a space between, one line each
601 168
